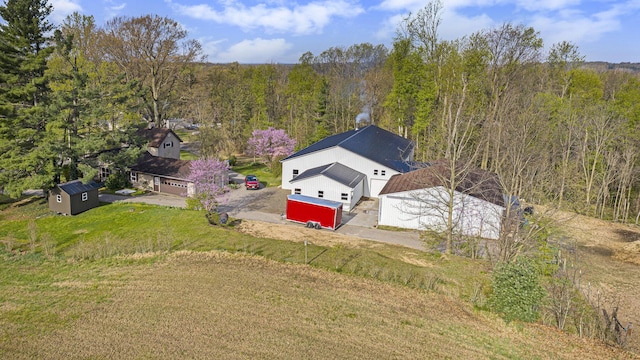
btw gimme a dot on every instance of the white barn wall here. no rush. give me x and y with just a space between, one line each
332 189
411 210
344 157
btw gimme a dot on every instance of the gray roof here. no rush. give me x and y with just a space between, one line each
76 187
336 171
371 142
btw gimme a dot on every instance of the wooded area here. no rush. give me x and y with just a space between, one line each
553 128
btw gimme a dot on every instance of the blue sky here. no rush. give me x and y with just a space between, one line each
279 31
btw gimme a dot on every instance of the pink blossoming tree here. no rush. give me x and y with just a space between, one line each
270 145
210 178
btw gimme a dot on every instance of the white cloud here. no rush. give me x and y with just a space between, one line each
273 17
254 51
62 8
113 9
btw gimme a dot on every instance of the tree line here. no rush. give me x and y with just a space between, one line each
553 129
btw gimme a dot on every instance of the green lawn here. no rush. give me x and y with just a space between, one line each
186 155
246 166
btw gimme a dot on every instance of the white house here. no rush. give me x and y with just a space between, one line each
333 181
372 156
420 200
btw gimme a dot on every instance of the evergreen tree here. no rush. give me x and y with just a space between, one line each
26 158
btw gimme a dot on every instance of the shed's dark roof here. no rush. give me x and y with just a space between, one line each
156 135
336 171
76 187
155 165
371 142
476 182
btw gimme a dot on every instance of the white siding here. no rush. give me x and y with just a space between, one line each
344 157
332 190
427 209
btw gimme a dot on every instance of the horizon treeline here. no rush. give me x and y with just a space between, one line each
554 130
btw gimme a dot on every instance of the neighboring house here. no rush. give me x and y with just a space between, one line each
73 197
162 142
420 200
337 163
163 175
333 181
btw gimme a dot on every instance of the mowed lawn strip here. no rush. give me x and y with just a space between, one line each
220 305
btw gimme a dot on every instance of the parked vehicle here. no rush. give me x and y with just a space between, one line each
251 182
314 212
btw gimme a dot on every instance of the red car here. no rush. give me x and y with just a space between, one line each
251 182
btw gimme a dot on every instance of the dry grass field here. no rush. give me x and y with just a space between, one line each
173 302
212 305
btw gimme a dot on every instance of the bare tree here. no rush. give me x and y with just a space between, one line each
153 50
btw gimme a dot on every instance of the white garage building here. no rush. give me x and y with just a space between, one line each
355 163
420 200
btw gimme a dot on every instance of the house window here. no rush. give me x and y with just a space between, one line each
59 198
295 172
344 196
320 194
382 172
85 196
168 144
297 191
375 172
104 173
133 176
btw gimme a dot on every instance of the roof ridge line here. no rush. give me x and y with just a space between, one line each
356 132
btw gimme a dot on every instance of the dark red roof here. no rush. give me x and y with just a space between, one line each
156 135
167 167
475 182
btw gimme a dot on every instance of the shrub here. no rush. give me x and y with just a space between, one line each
517 293
233 160
116 181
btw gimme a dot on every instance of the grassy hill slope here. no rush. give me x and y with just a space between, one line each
140 281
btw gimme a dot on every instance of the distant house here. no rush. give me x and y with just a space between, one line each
163 175
419 200
162 142
348 166
73 197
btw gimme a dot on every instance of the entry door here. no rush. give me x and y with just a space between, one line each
156 183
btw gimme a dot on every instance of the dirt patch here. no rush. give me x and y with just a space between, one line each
298 233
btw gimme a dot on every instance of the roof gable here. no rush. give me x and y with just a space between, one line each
371 142
76 187
478 183
336 171
149 164
157 135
